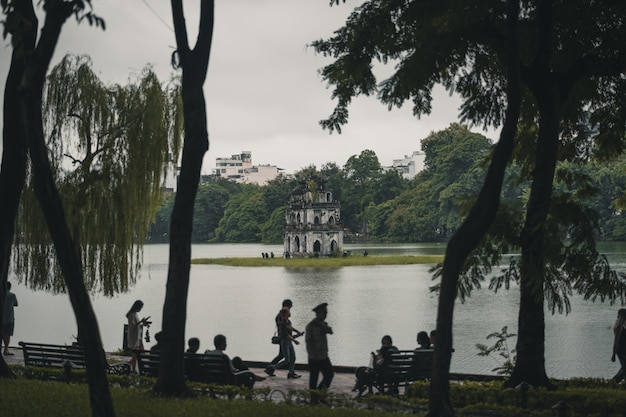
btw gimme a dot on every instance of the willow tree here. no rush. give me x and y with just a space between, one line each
110 147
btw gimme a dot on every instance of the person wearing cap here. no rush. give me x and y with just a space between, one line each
317 348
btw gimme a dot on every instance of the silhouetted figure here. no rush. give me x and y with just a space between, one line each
317 348
193 345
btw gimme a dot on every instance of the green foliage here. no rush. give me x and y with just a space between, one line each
277 192
109 146
362 174
243 216
272 229
209 207
584 398
501 349
431 207
132 397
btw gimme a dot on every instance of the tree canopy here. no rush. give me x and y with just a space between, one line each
110 148
568 56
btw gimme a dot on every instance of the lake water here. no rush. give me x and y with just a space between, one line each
365 303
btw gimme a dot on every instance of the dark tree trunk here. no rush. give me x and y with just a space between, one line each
194 64
530 363
474 227
13 171
68 253
549 90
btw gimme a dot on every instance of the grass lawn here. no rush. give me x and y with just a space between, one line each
33 398
323 262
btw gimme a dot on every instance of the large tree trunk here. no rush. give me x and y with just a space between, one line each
530 363
13 170
194 64
68 253
474 227
549 90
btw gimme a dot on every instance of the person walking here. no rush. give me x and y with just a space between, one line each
287 339
287 304
317 348
619 343
8 319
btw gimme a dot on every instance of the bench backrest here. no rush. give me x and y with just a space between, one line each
409 365
208 368
148 362
41 354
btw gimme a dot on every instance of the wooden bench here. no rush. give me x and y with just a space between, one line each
403 367
56 356
207 368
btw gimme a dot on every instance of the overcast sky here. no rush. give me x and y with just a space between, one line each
263 90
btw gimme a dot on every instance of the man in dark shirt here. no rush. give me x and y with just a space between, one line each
317 348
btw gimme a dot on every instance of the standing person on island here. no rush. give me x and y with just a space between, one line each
619 343
135 328
8 319
317 348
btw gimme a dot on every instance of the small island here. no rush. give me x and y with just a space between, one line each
331 262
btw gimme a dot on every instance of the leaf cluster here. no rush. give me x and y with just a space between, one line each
110 147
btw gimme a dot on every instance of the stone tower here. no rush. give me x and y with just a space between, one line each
312 221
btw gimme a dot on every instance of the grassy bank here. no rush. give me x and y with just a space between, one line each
32 398
322 262
132 396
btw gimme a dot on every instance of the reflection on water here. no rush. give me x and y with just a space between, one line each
365 303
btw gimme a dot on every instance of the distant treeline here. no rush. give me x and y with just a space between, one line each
380 205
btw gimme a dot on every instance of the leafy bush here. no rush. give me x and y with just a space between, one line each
583 397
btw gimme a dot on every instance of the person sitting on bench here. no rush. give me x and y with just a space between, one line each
365 376
236 363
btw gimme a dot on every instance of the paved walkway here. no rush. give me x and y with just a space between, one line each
342 381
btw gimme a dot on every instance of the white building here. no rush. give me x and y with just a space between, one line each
239 168
409 166
233 168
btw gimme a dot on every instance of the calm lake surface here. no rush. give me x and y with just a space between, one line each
365 303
